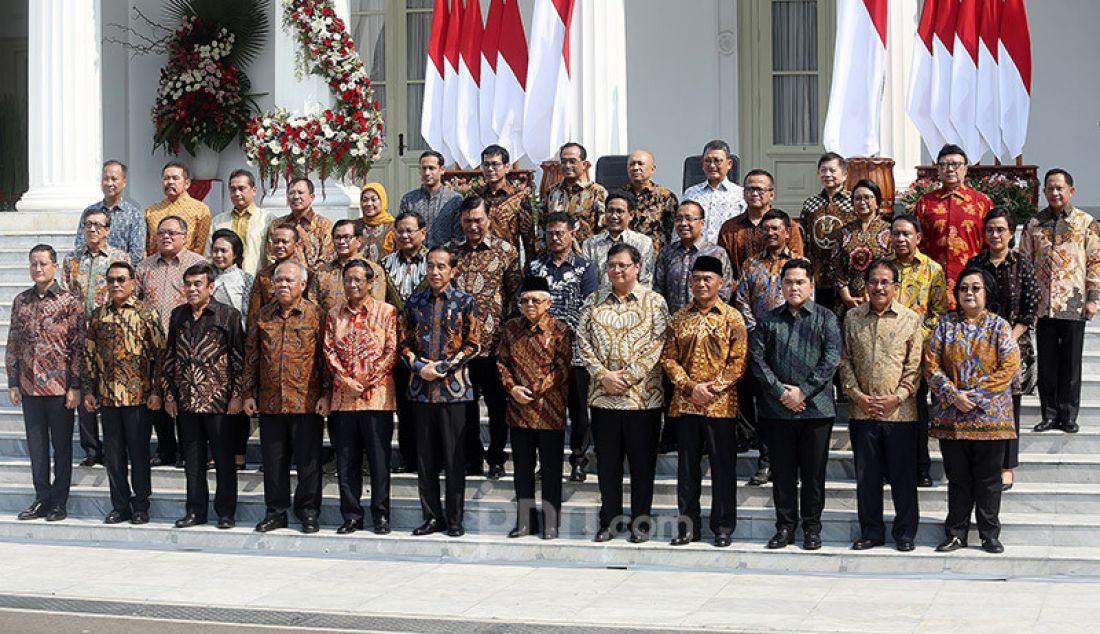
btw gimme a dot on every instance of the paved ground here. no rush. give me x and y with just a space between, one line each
135 589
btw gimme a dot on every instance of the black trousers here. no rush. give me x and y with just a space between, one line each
924 460
284 435
486 380
799 452
406 424
126 434
440 429
1059 343
669 439
548 446
165 428
720 434
356 432
748 391
973 469
885 451
49 424
1012 447
580 436
240 428
197 431
88 423
632 435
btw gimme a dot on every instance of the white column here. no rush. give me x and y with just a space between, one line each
64 106
900 139
598 54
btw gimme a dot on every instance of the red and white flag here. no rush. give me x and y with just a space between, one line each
988 114
943 46
431 114
511 80
548 106
490 41
450 81
852 125
964 81
467 118
1014 75
918 101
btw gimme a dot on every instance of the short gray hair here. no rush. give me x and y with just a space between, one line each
301 268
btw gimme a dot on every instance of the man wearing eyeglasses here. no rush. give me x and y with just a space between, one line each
175 180
744 236
160 285
616 219
84 274
509 209
580 198
952 217
327 282
129 233
722 198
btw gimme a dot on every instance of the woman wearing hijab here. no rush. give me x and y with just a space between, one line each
378 238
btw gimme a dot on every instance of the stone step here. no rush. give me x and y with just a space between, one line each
1025 497
24 239
1019 560
755 524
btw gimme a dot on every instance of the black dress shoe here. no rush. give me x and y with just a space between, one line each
811 541
761 477
382 527
116 517
683 538
1069 428
475 470
180 463
603 535
904 546
866 544
139 517
56 514
924 480
1044 425
519 531
242 466
951 544
88 462
36 510
349 527
993 546
496 471
638 537
550 532
427 528
1006 486
783 537
310 525
577 474
271 522
722 540
156 461
189 520
226 522
455 530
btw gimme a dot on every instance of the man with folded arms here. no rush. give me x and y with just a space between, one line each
286 381
202 388
879 371
704 357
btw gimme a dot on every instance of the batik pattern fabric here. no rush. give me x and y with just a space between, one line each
583 201
822 216
952 223
705 346
1016 300
672 275
978 356
84 274
439 209
315 246
536 356
123 354
490 272
596 248
408 275
378 240
654 210
326 285
881 357
128 229
922 289
442 327
856 247
743 239
45 342
720 204
194 213
233 287
1065 249
160 282
511 217
624 333
361 344
758 289
204 359
800 349
284 366
570 285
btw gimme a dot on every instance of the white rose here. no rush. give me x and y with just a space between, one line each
301 161
296 150
274 161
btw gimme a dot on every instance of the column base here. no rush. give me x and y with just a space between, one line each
59 198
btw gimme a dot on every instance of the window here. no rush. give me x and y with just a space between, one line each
368 20
794 73
418 18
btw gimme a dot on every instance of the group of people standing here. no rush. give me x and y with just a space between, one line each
640 322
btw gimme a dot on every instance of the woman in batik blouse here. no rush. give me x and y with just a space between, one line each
377 222
858 243
970 360
1017 301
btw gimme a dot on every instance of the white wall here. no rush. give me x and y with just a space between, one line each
1064 127
682 91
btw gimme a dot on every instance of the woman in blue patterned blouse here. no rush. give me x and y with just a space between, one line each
970 360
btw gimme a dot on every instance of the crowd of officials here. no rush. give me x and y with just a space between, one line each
641 322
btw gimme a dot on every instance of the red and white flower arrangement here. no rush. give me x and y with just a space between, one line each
343 141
